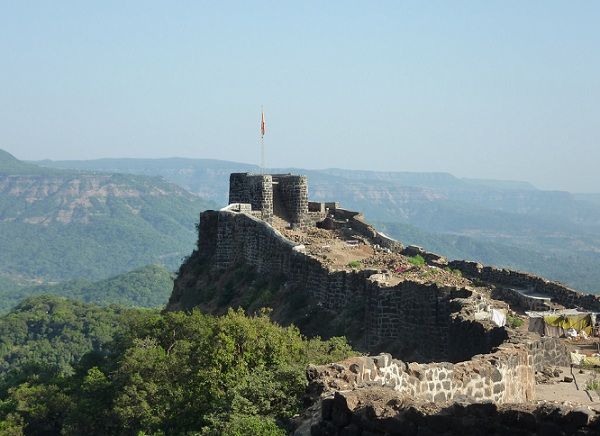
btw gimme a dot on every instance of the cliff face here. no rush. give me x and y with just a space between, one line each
59 224
43 199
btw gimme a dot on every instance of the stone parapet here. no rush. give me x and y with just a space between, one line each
559 293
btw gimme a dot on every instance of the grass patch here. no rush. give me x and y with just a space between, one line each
593 384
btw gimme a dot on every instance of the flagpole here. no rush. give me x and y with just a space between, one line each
262 154
262 140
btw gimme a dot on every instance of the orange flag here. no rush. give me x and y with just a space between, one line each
263 128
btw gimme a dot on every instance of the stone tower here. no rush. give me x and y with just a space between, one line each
281 195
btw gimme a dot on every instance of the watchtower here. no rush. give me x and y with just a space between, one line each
281 195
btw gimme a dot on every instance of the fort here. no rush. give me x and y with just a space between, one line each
330 272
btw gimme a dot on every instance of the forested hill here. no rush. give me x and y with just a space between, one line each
72 368
67 224
48 335
149 287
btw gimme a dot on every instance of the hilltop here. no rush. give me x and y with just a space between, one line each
442 335
504 223
67 224
327 270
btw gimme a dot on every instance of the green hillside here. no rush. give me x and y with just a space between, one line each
149 286
8 284
10 165
64 224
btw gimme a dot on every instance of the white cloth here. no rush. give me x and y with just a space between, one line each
498 317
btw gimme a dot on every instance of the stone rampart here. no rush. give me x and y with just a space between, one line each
559 293
253 189
412 314
519 299
400 318
292 192
241 238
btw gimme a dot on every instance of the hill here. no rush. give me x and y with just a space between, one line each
505 223
149 286
65 224
11 165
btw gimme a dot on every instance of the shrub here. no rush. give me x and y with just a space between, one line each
355 264
417 260
514 321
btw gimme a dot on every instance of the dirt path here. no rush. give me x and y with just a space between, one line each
569 392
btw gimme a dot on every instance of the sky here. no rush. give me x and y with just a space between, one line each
494 89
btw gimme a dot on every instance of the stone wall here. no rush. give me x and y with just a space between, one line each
412 314
507 375
241 238
284 195
377 411
517 299
559 293
501 377
548 352
357 222
402 318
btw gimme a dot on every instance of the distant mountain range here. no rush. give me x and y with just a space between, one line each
506 223
66 224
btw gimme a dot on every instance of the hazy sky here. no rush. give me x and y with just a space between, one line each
501 89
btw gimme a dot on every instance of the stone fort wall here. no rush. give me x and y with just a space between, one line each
408 313
558 292
507 279
283 195
253 189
